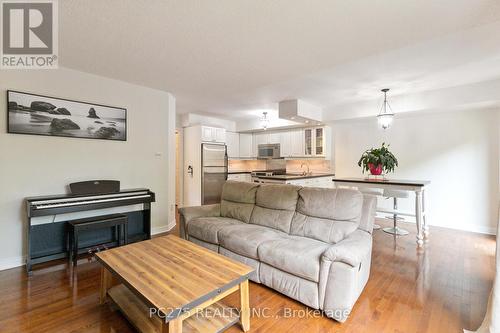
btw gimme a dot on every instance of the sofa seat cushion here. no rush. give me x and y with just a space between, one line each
299 256
207 228
245 239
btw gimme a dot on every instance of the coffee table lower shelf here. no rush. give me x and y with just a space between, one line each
137 313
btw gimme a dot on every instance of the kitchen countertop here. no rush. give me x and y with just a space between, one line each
237 172
297 176
418 183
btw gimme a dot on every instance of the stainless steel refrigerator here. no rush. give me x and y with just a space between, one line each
213 172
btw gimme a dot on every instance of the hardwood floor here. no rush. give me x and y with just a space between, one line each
443 288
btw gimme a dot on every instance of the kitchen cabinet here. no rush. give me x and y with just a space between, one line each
246 147
296 148
233 144
310 142
285 144
322 182
259 139
220 135
213 134
274 137
292 143
319 141
315 141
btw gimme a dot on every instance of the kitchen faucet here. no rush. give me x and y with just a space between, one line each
307 165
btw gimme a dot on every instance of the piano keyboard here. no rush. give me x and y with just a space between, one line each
85 202
42 204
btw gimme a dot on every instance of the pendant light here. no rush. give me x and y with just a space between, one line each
386 115
264 121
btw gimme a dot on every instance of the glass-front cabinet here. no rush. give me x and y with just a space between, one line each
319 146
314 141
308 141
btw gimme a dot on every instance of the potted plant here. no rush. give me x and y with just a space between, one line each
378 160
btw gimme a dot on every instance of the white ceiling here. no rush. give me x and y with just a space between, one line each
233 57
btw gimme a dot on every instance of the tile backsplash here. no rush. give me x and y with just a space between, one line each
246 165
319 166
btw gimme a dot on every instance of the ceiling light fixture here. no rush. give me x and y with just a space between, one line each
386 115
264 121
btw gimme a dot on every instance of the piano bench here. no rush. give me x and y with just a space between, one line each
116 221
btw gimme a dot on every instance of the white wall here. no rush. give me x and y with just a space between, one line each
38 165
457 151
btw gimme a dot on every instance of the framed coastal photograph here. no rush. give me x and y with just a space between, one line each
43 115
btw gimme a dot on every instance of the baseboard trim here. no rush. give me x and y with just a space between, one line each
162 229
475 229
13 262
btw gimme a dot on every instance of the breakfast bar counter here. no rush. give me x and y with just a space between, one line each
417 186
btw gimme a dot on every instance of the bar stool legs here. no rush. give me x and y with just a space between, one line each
395 230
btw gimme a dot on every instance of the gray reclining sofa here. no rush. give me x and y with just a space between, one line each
311 244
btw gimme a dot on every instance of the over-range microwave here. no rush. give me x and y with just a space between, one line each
268 151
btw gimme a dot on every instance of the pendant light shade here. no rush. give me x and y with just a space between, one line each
386 116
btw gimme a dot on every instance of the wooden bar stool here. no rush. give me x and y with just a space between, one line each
395 194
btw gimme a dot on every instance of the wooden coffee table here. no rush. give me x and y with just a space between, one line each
165 282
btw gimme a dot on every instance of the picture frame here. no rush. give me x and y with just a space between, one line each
34 114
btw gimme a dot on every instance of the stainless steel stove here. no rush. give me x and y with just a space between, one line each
265 173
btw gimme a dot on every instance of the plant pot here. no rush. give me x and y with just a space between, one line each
375 170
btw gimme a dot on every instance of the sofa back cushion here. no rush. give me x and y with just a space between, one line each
328 215
275 206
238 200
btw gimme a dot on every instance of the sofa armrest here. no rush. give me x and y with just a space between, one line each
189 213
352 250
344 272
368 213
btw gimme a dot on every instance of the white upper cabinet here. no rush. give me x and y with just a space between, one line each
316 141
206 133
274 137
233 144
246 140
285 144
296 143
319 141
259 139
213 134
220 135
